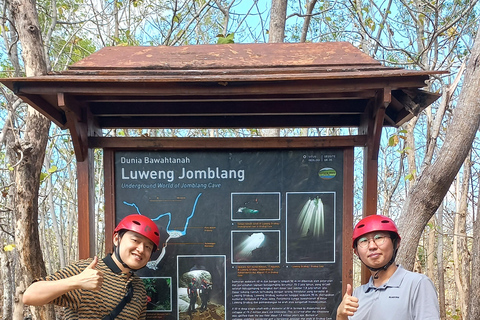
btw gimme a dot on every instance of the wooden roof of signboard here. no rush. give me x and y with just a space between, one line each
331 84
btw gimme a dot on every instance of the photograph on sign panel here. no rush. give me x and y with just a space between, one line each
311 227
255 206
201 287
257 247
159 294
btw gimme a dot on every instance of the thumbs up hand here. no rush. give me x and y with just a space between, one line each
94 263
348 306
90 278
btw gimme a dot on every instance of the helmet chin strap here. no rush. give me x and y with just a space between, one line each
388 264
385 267
116 251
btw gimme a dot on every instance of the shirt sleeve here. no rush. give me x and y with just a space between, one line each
425 302
71 299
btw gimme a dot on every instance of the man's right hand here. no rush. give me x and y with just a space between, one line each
90 278
43 292
348 306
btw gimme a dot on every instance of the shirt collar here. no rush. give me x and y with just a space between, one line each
108 260
394 282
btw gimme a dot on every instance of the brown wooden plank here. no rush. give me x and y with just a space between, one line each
347 251
226 78
86 207
45 108
323 96
226 143
218 86
76 125
109 188
225 56
285 107
382 100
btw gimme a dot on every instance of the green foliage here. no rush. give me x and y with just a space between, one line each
394 139
6 68
410 176
454 316
71 51
9 247
136 3
370 23
225 40
126 38
150 285
177 18
45 175
421 256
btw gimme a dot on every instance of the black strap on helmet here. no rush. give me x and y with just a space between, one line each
388 264
116 251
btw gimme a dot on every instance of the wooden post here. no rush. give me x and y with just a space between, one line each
347 253
372 127
86 206
109 187
81 125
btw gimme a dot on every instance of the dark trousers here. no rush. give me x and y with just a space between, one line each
193 299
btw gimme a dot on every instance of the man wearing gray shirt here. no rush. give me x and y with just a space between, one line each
392 292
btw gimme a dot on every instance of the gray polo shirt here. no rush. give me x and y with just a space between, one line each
406 295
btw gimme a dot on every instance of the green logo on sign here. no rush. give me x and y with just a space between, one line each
327 173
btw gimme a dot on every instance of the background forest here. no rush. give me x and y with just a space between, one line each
429 169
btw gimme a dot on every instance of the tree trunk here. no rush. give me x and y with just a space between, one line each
27 185
278 16
276 33
473 305
8 287
53 216
459 285
440 268
31 151
447 96
433 183
410 145
463 245
7 231
11 45
431 250
460 258
308 17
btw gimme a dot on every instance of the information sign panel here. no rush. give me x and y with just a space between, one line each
253 234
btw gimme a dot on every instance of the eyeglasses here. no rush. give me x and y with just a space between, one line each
379 239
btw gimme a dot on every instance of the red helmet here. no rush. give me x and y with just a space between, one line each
371 223
142 225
